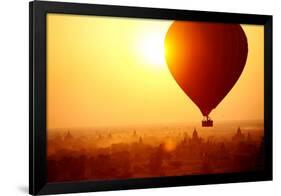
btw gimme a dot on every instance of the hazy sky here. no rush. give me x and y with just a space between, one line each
105 71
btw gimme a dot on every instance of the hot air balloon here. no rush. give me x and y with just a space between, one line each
206 60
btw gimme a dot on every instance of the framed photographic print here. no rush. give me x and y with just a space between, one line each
131 97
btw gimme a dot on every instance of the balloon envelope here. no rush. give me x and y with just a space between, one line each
206 59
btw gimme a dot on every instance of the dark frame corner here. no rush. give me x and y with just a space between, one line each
37 96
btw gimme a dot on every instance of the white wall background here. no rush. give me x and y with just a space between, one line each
14 96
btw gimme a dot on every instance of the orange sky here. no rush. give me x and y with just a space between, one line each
105 71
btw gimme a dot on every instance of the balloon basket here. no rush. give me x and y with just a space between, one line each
207 123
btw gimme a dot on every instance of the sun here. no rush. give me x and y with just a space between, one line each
151 50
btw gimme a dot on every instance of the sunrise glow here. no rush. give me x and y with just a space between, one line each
150 48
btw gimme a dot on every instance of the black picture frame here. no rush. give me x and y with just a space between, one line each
37 96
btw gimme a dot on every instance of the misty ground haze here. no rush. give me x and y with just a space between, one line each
154 151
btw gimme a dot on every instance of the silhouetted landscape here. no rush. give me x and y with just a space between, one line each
153 151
